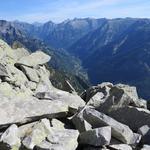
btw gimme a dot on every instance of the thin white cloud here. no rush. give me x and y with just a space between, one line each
68 10
58 10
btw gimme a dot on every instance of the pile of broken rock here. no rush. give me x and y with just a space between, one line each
36 115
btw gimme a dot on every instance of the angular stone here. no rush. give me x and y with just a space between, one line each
16 76
101 88
57 124
79 122
60 140
136 139
27 110
119 130
6 52
35 59
145 132
96 137
26 129
72 100
10 138
120 96
9 91
96 100
32 85
39 132
44 85
120 147
142 116
3 71
30 73
20 52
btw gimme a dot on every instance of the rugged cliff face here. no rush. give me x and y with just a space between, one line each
36 115
114 50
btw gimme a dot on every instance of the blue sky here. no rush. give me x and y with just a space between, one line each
59 10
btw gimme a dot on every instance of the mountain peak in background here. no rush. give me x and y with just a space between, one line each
115 50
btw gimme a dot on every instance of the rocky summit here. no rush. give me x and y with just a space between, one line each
34 115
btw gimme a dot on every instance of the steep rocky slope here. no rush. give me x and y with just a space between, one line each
63 34
118 52
60 58
36 115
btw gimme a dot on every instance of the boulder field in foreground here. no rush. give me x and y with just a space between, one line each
34 115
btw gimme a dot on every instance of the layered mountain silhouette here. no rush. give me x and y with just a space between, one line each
115 50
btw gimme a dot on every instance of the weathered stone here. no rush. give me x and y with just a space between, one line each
10 139
26 129
119 131
79 122
129 95
20 52
60 140
120 147
96 100
120 96
102 88
32 85
39 132
6 53
37 58
44 85
96 137
3 71
13 93
22 111
57 124
142 116
30 73
136 139
16 76
72 100
145 132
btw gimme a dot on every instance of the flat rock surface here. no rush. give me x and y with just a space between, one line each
37 58
22 111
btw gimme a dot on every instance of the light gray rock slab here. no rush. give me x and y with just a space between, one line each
132 116
37 58
26 129
60 140
27 110
10 138
31 73
80 123
96 137
20 52
145 132
57 124
72 100
119 131
101 88
3 71
39 132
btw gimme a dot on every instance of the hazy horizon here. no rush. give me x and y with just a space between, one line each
60 10
70 19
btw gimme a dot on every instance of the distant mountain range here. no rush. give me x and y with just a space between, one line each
119 51
60 35
115 50
63 65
